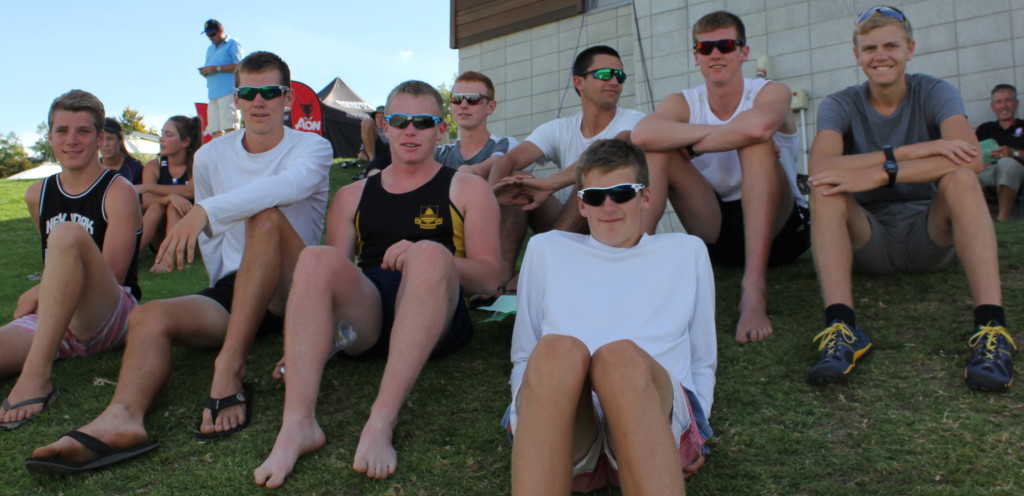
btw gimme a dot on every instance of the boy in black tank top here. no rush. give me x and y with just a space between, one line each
89 223
418 231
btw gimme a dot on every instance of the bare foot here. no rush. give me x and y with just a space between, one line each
114 427
278 372
21 392
163 268
294 441
229 417
375 456
754 324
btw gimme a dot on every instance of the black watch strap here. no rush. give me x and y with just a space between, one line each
890 165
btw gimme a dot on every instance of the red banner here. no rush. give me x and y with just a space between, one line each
201 112
306 114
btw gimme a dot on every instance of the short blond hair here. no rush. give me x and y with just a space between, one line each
878 20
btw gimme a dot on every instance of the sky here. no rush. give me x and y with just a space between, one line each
146 54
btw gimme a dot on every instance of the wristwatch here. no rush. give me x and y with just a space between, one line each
1016 154
693 154
890 165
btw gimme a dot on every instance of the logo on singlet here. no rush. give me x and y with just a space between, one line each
428 218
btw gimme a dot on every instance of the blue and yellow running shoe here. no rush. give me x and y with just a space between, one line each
841 346
991 365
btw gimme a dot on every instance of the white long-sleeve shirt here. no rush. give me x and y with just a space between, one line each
232 185
660 294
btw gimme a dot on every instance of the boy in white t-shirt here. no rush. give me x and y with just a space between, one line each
613 350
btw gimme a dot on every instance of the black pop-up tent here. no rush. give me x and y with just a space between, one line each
343 110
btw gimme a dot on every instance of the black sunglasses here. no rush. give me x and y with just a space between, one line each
724 46
620 193
419 121
470 98
267 92
606 74
892 12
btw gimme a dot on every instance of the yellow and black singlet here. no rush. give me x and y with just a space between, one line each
425 213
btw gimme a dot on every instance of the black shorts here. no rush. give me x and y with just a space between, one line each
387 282
223 292
730 250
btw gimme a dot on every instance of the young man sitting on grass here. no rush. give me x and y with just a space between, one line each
893 171
419 233
613 348
90 224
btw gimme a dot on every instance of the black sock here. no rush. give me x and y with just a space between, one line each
841 312
989 315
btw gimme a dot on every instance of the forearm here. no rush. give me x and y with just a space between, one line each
478 275
662 135
182 190
746 129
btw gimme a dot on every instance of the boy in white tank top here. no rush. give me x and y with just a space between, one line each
726 153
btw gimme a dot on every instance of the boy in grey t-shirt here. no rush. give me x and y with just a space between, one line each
893 171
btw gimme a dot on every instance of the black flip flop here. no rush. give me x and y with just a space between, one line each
107 456
216 405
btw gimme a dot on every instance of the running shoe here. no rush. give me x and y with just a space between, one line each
991 365
841 346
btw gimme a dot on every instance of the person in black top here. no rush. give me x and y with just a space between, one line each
115 156
89 223
166 189
1005 173
419 232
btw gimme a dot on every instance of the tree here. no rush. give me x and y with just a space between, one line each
42 149
131 120
13 157
446 95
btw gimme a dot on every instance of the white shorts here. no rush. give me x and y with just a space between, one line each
221 114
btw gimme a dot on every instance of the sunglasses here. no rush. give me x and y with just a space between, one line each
470 98
620 193
607 74
419 121
267 92
724 46
886 11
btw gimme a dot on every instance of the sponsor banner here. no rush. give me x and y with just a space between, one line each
306 114
201 112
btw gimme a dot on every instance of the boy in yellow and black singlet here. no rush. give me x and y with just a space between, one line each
421 234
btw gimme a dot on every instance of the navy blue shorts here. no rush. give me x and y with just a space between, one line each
387 283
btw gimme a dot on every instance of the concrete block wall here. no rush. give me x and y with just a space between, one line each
973 44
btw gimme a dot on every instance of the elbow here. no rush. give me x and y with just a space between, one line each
759 132
641 138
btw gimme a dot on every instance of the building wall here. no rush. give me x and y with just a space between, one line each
973 44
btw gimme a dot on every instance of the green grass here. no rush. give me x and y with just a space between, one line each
905 423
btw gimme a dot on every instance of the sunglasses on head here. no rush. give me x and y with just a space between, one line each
724 46
620 193
269 92
419 121
607 74
470 98
892 12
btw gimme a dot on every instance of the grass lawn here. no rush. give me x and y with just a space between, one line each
904 424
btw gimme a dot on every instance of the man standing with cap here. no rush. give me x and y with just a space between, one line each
219 70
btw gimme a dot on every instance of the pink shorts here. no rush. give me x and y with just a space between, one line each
599 467
110 335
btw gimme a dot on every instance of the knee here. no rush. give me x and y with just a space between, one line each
620 363
319 262
558 357
831 205
68 235
429 256
959 181
146 322
267 221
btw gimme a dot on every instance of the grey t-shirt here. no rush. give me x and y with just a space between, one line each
929 101
451 155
